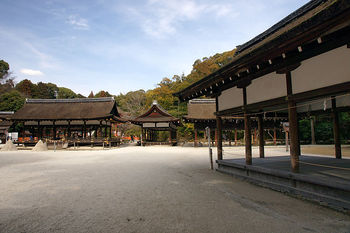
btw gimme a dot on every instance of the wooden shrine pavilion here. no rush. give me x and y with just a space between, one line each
201 113
153 121
68 119
5 124
300 66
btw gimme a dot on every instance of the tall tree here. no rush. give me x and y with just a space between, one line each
11 101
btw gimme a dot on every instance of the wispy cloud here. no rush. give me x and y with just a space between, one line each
31 72
78 22
161 18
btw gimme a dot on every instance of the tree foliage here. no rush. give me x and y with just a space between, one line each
11 101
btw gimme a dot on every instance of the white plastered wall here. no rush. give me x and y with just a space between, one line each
230 98
324 70
267 87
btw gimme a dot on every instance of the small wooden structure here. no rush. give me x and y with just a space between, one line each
301 65
154 120
201 112
86 120
5 124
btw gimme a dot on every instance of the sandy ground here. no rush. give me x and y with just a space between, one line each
145 189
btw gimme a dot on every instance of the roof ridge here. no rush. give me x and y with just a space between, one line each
75 100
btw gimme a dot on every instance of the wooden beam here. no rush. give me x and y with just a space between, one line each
247 130
293 126
337 144
261 136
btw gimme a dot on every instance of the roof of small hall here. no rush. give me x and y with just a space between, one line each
69 109
156 114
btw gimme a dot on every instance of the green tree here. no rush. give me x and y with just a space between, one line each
66 93
11 101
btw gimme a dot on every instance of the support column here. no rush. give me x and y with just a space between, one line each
229 138
110 132
261 136
195 137
170 136
247 130
40 131
293 125
84 130
216 136
235 137
69 132
54 130
312 126
219 137
337 143
274 136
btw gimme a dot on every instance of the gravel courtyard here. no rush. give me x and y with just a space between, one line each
148 189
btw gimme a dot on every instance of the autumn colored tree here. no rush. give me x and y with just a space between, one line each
91 95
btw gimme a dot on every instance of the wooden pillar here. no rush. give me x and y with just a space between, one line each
40 131
293 125
69 132
219 137
195 137
170 136
261 136
54 129
235 137
255 137
216 136
105 134
274 136
247 130
218 131
110 131
229 137
312 126
337 143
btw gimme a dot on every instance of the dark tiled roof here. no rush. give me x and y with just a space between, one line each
68 109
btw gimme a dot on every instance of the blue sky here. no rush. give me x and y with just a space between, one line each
121 46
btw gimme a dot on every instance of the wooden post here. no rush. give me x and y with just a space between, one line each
216 136
84 130
229 137
293 125
219 137
312 126
195 138
54 129
40 132
110 132
274 136
261 136
255 137
247 130
69 132
235 137
337 143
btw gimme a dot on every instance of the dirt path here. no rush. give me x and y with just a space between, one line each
151 189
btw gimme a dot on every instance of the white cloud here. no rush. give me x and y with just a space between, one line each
31 72
161 18
78 22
